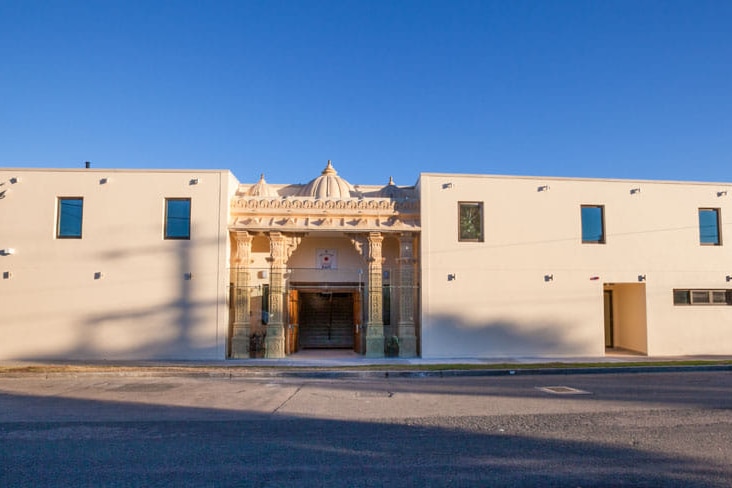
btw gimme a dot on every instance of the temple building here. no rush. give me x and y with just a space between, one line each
180 264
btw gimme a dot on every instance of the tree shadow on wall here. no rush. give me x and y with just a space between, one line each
500 338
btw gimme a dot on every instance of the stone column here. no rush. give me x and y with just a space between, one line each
407 294
374 321
275 341
242 244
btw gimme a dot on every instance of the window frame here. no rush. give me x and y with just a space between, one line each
166 222
481 216
60 213
717 226
603 233
707 300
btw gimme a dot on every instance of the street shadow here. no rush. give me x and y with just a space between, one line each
129 444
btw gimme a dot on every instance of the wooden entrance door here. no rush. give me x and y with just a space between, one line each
293 322
357 325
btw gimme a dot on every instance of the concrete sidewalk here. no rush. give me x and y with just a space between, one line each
335 363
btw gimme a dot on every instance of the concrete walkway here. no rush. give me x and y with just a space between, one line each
340 363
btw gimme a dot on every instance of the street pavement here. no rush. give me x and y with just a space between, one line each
618 429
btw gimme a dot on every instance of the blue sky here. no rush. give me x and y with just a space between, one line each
621 89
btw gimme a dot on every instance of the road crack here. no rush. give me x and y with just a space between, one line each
281 405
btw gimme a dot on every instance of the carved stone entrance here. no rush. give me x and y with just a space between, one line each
328 209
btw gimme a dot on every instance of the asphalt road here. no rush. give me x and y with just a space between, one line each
661 429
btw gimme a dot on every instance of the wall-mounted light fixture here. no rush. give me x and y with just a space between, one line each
451 277
549 277
634 191
98 275
7 252
594 278
188 276
728 278
722 193
193 181
641 277
14 180
446 186
543 188
7 275
103 181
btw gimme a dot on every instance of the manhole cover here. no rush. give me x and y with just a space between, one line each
562 390
374 394
144 387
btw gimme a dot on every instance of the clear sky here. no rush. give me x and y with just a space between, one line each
622 89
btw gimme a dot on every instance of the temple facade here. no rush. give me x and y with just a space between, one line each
179 264
324 264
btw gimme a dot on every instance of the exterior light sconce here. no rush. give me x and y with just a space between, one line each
7 252
634 191
549 277
193 181
7 275
446 186
451 277
14 180
594 278
103 181
98 275
722 193
641 277
188 276
543 188
728 278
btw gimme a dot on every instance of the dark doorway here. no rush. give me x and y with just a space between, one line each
326 320
609 327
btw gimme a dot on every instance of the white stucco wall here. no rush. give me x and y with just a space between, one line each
499 303
141 307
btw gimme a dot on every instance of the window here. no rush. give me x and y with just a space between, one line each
702 297
471 221
70 210
709 227
177 218
593 224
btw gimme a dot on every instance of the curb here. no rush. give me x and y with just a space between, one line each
373 374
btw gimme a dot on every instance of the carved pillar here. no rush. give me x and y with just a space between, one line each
275 341
374 322
407 294
242 244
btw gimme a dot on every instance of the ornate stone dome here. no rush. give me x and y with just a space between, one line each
261 189
327 186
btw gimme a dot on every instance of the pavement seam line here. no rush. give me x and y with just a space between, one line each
287 400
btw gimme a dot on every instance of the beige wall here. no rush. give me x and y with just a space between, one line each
499 303
141 307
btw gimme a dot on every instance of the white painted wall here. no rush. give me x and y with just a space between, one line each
500 305
53 307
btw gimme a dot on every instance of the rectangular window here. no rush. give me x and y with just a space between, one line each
709 227
702 297
593 224
470 217
177 218
70 212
